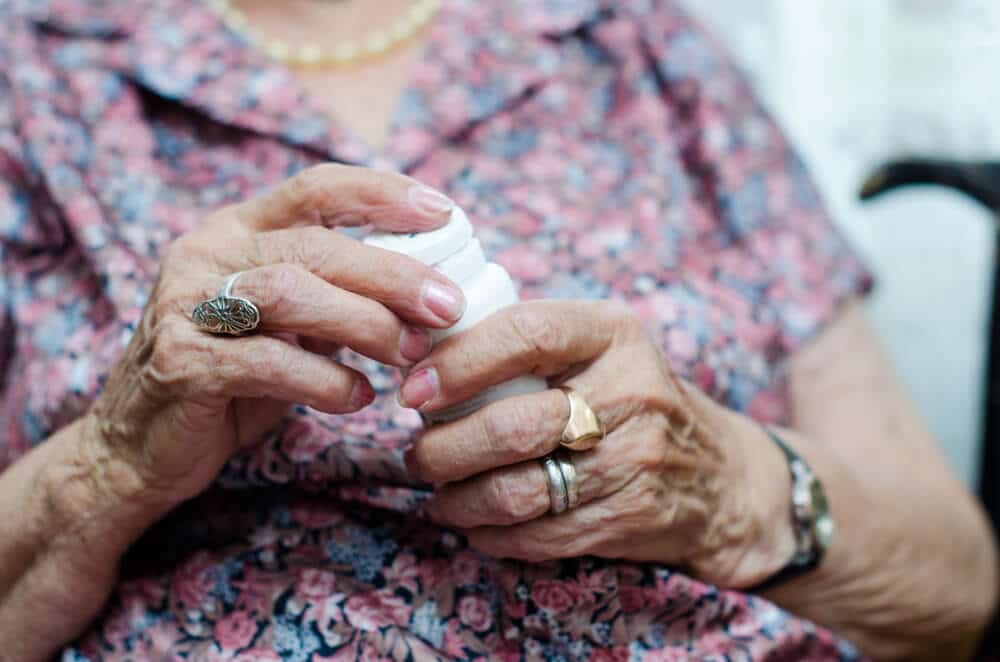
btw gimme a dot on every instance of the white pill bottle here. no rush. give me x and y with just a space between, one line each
454 251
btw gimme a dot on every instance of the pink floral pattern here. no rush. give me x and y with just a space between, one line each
605 150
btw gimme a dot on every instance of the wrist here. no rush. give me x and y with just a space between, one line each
772 543
68 512
750 535
91 495
758 497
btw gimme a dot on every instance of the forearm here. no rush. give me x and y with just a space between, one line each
911 573
68 511
912 570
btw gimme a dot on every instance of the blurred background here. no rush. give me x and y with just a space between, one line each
854 83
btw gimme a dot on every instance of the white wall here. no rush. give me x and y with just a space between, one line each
855 82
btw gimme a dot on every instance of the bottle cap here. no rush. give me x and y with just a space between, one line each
464 264
429 247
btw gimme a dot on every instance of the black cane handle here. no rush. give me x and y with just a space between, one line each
979 180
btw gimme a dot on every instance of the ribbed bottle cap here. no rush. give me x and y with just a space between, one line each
428 247
464 264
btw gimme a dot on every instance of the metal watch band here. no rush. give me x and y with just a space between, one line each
806 490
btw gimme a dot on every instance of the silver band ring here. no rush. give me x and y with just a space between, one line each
226 292
226 314
569 476
558 495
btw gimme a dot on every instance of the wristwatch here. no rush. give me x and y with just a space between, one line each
811 519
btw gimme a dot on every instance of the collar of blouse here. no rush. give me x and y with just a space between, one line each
494 51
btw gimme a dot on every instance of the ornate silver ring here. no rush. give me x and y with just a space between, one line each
226 314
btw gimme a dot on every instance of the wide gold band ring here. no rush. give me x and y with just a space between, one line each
584 429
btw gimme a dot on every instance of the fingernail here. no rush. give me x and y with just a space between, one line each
414 343
410 460
429 201
445 301
419 388
362 395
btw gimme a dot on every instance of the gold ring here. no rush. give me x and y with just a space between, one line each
584 429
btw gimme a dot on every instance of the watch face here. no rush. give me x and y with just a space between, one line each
822 521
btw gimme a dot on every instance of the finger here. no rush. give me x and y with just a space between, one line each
502 497
507 432
292 300
411 289
338 195
264 367
188 363
319 346
511 430
518 493
572 534
542 338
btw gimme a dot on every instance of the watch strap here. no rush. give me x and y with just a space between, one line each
808 552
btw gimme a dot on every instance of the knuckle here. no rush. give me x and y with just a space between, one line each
267 362
397 268
174 359
305 247
423 451
648 453
277 287
515 498
376 188
163 306
514 430
647 501
259 251
400 280
536 331
167 298
370 329
306 193
314 247
304 185
312 237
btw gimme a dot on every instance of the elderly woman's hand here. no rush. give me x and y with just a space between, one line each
182 401
671 482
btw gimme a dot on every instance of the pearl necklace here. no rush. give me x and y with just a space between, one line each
309 54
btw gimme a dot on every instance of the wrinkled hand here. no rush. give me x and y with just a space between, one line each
182 401
670 483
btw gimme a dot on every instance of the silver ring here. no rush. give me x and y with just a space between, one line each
558 496
226 291
569 476
226 314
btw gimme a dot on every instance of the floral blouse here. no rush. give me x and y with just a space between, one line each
605 149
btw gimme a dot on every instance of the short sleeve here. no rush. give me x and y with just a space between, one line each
771 235
14 210
25 243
